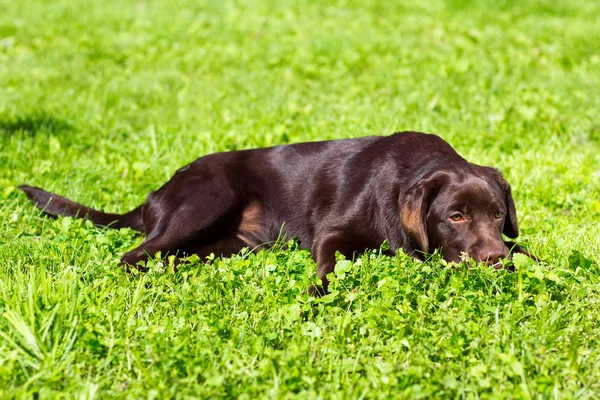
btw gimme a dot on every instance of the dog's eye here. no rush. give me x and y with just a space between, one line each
499 214
457 217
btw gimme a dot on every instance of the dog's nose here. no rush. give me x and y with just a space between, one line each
492 255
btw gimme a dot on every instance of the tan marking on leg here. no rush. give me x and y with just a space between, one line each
251 224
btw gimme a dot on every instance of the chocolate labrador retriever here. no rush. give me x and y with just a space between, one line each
411 189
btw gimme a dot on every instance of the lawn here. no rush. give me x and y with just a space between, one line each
103 101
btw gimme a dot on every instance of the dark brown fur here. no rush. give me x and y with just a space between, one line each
341 195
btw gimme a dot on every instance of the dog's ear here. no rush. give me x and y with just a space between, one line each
413 207
511 227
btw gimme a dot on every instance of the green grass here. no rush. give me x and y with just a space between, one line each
103 101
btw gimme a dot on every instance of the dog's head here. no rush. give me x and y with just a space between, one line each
460 212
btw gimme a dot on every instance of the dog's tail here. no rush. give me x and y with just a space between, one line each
55 205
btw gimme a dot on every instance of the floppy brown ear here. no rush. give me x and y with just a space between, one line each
413 209
511 227
412 220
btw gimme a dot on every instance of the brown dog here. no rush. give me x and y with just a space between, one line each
411 189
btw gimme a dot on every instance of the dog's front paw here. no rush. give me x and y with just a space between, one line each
316 291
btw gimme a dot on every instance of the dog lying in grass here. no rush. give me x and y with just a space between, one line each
411 189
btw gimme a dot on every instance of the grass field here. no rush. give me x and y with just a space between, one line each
103 101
